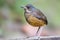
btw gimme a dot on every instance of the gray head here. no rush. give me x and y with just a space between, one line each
29 7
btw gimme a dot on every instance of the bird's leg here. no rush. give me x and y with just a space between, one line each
39 32
36 33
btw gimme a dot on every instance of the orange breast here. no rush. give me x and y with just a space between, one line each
35 22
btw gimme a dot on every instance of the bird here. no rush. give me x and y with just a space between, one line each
34 16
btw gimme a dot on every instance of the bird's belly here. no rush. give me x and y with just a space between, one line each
35 22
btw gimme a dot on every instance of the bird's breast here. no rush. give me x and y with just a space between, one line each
34 21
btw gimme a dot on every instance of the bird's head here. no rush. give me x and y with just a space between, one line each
28 7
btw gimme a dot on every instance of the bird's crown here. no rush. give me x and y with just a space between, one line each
29 6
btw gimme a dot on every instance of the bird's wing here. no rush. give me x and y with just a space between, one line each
38 14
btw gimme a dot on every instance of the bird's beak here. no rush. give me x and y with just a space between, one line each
23 7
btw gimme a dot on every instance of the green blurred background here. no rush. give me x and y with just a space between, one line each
51 8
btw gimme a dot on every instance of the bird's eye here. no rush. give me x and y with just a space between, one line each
28 7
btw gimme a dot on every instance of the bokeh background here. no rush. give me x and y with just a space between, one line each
12 14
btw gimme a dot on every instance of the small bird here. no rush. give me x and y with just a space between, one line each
34 16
